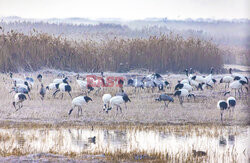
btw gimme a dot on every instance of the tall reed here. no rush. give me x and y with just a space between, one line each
171 52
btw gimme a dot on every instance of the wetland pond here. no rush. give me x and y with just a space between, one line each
170 142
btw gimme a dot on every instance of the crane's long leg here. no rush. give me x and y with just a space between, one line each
28 95
70 95
234 114
241 89
221 115
125 106
70 111
42 97
179 99
79 110
54 94
168 103
116 110
120 109
18 106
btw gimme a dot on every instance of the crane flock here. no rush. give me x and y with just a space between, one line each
185 88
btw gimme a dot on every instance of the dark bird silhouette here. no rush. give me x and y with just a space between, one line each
165 98
199 153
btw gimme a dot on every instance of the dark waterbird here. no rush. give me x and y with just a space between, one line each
165 98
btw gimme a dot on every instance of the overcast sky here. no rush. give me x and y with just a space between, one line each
126 9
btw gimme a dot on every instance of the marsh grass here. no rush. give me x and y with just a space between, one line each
20 52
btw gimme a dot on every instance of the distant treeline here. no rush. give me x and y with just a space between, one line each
171 52
221 32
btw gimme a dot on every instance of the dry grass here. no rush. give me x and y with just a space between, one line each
167 52
236 55
107 157
142 110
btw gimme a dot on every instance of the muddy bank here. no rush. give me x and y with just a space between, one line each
48 157
29 123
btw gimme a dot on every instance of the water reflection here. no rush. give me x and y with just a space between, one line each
77 138
20 140
223 141
230 138
199 142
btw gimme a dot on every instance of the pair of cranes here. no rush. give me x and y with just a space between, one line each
118 100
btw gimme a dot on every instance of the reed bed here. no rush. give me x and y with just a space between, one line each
20 52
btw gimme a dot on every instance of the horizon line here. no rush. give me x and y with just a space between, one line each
122 19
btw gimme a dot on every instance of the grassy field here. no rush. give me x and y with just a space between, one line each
143 109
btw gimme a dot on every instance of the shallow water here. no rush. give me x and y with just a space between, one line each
220 143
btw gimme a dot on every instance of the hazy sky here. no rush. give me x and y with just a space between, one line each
126 9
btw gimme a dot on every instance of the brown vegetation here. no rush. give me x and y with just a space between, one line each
236 55
164 53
